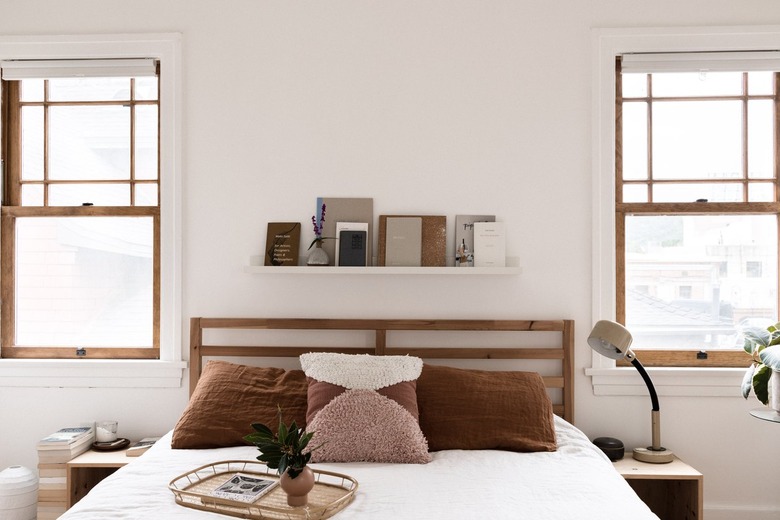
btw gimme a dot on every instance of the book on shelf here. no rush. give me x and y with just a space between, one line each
403 241
433 239
53 495
464 237
244 488
53 483
66 436
140 447
489 244
352 248
282 243
52 470
351 243
344 209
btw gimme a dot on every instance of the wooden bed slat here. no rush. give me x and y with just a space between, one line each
478 353
561 353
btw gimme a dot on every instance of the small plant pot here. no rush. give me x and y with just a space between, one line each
298 488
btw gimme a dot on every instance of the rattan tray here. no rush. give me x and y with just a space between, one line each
332 492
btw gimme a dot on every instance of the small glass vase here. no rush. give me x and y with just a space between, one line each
318 256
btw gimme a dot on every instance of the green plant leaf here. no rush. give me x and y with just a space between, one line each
305 438
269 448
747 380
272 464
263 430
282 464
282 433
771 357
756 339
761 383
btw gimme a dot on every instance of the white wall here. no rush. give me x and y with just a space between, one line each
438 107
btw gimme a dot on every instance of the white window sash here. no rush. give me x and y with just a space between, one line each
701 62
50 69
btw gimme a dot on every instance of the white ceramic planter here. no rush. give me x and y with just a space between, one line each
18 493
774 391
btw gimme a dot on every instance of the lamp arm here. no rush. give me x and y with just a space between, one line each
648 382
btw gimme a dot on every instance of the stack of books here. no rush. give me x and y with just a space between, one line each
54 452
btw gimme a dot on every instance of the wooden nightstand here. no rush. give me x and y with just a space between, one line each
673 491
89 468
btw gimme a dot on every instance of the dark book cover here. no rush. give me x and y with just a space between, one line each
352 248
282 243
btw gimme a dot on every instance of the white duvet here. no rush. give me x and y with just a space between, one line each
575 482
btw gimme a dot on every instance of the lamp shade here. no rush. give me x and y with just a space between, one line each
611 340
18 493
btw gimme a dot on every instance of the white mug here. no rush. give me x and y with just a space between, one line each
105 431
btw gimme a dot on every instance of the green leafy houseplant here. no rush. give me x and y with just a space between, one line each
762 346
282 451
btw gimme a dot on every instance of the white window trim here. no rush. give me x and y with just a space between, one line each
607 44
168 370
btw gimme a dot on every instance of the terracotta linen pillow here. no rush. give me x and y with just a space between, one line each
230 397
363 408
479 409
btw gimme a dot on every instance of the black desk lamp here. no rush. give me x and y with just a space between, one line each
613 340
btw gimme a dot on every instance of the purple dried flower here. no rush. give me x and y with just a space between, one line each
318 226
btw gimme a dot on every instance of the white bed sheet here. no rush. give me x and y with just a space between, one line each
575 482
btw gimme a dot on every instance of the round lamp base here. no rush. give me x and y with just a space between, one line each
661 456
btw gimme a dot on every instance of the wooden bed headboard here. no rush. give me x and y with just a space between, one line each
562 352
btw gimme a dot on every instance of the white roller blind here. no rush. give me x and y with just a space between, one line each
47 69
702 62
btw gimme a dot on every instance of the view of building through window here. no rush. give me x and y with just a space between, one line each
692 281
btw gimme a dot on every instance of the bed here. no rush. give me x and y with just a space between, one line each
501 439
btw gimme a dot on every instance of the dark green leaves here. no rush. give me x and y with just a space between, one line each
761 383
283 451
762 346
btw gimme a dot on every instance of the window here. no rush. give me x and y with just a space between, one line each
80 242
131 215
696 181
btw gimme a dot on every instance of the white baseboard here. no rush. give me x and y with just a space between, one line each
727 512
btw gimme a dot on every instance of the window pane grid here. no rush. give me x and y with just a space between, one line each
144 141
707 282
748 161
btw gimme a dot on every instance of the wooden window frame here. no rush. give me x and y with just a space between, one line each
12 210
684 358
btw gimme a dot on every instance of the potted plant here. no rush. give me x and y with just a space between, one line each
764 371
284 452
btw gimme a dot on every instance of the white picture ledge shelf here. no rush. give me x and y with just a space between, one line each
512 268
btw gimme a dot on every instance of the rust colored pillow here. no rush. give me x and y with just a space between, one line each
480 409
230 397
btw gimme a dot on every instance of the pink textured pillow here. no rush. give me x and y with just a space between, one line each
364 408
